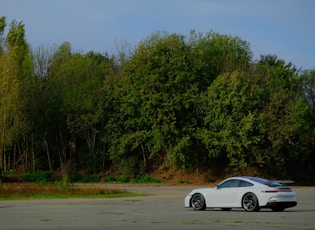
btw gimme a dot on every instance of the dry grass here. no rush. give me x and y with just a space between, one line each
25 190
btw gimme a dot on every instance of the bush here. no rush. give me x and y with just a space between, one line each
45 177
37 177
4 173
109 179
122 179
130 167
74 177
184 182
63 184
146 179
88 178
32 177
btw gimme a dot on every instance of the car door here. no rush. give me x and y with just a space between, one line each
226 194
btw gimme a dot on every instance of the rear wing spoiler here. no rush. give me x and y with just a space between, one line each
273 183
284 181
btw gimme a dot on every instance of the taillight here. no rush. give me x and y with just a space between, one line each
278 190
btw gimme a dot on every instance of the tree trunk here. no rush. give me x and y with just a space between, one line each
48 155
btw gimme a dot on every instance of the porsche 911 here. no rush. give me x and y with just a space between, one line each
249 193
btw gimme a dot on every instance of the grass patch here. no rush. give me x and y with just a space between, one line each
18 191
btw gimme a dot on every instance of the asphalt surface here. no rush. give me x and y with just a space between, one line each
161 208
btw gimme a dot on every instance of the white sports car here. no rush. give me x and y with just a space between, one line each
249 193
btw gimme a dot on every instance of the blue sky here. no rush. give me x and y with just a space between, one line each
282 27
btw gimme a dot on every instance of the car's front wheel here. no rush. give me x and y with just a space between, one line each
198 202
250 202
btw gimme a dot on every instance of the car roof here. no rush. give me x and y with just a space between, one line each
259 180
247 177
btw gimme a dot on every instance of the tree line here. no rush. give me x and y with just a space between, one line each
191 102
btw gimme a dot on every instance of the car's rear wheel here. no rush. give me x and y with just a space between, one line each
250 202
198 202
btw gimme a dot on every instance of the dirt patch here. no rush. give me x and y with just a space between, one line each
206 176
173 176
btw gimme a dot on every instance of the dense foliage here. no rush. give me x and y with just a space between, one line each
190 102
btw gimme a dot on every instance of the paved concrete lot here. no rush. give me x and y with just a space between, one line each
161 208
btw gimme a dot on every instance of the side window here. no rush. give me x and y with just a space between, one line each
230 184
244 184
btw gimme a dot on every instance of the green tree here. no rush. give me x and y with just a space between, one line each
278 93
3 25
78 81
309 87
216 54
56 129
42 108
255 118
300 165
157 96
15 69
230 119
160 88
84 101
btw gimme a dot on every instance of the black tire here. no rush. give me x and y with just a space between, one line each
250 202
226 209
198 202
